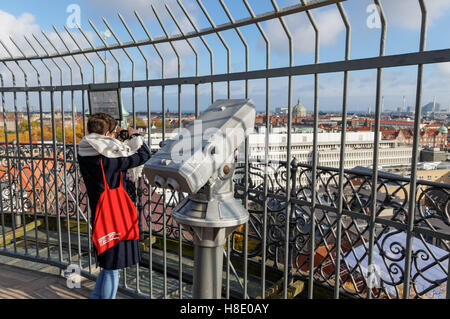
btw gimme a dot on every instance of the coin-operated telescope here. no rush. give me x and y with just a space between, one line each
200 161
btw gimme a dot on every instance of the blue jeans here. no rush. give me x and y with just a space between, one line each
107 284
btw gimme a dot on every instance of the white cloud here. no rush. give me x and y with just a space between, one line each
16 27
444 68
24 26
407 13
328 21
143 7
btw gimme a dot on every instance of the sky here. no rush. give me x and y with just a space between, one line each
25 18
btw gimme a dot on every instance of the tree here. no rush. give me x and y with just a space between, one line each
24 126
139 122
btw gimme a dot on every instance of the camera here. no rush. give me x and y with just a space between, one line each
124 135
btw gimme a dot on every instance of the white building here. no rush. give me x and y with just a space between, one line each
359 152
359 149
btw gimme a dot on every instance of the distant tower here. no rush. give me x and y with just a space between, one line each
404 103
434 104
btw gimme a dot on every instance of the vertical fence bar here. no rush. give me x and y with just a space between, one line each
133 89
75 155
43 160
415 157
149 201
288 156
150 189
149 126
373 206
3 217
77 191
245 295
33 184
180 248
244 42
164 137
228 254
228 243
8 162
85 56
88 209
76 171
314 186
55 158
337 268
55 147
20 193
106 49
17 219
96 52
7 157
211 54
266 156
149 142
88 218
447 296
75 142
164 199
132 70
246 173
106 46
227 274
64 149
211 22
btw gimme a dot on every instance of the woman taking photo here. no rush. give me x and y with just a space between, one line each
104 162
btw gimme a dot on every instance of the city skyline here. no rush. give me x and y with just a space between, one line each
402 105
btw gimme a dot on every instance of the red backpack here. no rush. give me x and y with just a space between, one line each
116 217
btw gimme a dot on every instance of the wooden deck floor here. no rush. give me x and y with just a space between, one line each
21 283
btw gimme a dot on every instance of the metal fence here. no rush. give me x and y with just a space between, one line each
358 233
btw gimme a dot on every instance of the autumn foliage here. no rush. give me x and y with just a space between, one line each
33 130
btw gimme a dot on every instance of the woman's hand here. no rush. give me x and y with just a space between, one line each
132 131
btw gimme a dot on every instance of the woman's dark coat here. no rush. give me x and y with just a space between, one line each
126 253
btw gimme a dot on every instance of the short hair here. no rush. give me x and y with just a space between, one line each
101 123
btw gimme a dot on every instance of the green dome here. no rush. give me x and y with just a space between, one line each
299 108
443 129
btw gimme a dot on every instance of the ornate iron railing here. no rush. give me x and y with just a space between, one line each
432 222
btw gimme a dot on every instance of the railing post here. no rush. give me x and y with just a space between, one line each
291 217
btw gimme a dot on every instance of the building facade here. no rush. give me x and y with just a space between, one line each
359 151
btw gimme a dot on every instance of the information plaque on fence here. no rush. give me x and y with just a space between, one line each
106 101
